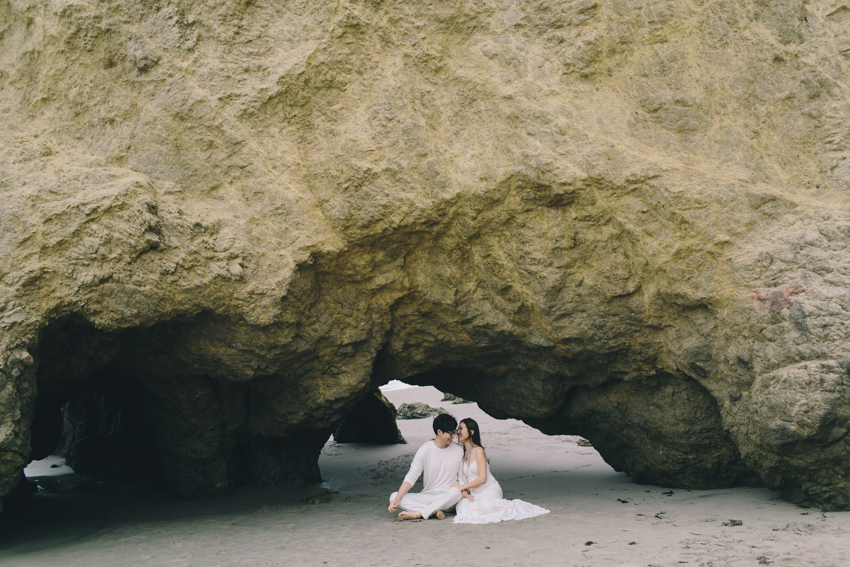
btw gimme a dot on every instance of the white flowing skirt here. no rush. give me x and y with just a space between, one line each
489 507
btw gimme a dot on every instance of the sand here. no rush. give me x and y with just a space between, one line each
82 523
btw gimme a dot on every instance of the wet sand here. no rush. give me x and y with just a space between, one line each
76 522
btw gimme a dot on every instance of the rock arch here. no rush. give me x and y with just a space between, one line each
561 211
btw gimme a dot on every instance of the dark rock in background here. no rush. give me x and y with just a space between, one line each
371 421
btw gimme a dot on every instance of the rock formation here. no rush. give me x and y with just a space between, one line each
590 216
417 410
454 399
373 420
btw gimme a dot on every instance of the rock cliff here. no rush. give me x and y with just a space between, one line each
623 219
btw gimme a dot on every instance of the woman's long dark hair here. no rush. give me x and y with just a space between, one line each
472 427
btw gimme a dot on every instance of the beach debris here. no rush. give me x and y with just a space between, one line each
623 501
454 399
320 496
417 410
764 560
589 542
732 523
582 442
668 493
659 514
632 543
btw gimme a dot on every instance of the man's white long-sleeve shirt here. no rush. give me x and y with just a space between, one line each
439 466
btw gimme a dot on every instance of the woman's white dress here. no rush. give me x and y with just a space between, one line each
489 506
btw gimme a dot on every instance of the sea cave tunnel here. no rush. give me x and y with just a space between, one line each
128 407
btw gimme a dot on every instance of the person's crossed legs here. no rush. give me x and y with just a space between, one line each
425 504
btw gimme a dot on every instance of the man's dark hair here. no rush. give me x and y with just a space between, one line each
445 423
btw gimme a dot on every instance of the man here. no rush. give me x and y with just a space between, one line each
439 459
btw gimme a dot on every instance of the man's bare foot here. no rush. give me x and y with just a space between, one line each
402 516
440 515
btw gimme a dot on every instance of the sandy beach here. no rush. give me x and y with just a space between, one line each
598 516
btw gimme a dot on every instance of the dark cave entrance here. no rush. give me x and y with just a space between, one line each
98 427
112 407
91 408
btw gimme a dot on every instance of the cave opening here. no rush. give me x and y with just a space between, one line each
525 460
92 411
92 443
113 408
99 426
144 405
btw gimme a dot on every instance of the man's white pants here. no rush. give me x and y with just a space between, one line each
428 502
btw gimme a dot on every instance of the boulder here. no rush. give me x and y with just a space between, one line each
454 399
371 421
417 410
625 220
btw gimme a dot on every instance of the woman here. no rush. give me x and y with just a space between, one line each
482 501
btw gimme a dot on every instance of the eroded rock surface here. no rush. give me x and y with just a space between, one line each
561 210
662 430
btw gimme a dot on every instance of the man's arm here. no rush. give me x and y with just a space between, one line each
410 479
405 488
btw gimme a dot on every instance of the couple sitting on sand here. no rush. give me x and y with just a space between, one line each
456 474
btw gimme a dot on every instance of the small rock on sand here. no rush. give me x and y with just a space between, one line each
454 399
